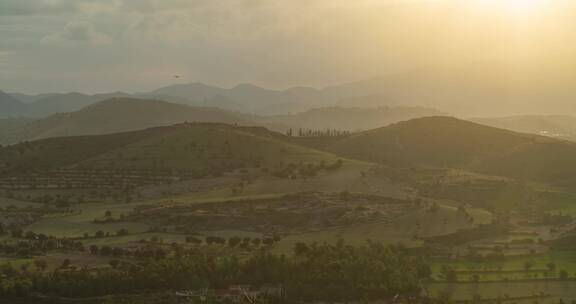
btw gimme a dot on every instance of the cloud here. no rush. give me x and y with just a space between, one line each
3 57
271 42
78 32
36 7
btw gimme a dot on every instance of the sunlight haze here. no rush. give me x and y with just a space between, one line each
288 151
108 45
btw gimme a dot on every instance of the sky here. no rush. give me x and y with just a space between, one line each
138 45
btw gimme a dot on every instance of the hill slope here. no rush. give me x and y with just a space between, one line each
198 149
449 142
119 115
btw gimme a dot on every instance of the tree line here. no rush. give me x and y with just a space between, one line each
316 272
316 133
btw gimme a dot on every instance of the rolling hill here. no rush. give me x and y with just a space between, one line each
453 143
196 149
201 147
118 115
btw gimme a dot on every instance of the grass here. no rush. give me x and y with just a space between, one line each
204 146
350 177
401 230
558 290
7 202
77 224
564 260
512 283
135 238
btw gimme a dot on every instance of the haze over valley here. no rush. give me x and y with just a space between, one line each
305 152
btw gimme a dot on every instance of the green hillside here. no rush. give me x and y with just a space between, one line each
197 148
54 153
202 148
450 142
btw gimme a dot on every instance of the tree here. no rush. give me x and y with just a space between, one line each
114 263
528 265
30 235
234 241
424 270
106 250
94 249
24 267
193 240
345 196
40 265
300 249
448 273
65 264
17 233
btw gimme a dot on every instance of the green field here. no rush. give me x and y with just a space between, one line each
77 225
553 291
511 268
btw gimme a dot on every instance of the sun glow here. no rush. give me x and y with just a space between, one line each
512 6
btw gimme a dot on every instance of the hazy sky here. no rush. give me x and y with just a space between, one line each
108 45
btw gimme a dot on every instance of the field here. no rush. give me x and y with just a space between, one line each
81 221
355 177
179 193
548 292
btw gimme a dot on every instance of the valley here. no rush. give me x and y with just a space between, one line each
99 201
287 152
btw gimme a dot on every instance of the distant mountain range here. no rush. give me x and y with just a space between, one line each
11 107
468 92
244 98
